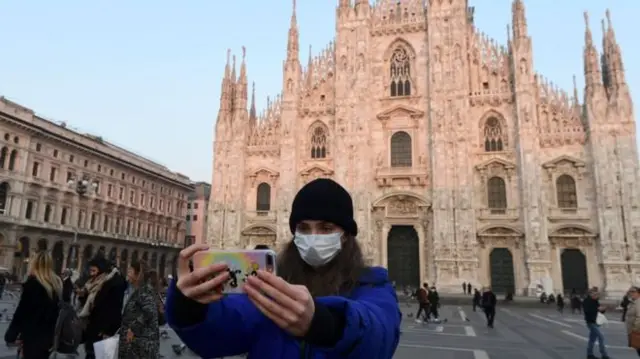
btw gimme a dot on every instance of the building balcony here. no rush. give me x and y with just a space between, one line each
402 176
492 214
261 216
84 232
568 214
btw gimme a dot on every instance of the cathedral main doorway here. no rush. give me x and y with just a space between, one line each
574 271
503 279
403 256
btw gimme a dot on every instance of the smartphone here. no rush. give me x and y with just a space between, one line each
241 264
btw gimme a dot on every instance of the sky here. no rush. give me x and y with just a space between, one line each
145 74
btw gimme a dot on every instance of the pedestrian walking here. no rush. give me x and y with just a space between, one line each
591 308
423 303
477 299
489 302
632 319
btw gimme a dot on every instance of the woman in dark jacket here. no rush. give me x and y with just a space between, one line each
34 321
101 300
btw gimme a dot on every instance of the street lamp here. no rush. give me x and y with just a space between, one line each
82 187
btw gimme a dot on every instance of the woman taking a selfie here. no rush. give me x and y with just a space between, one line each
324 303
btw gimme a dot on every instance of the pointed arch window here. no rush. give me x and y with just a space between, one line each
400 73
4 153
493 135
566 192
401 151
263 200
496 195
319 141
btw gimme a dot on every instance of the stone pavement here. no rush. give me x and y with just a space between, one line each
519 333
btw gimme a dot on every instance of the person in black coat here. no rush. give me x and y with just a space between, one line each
34 321
103 296
489 302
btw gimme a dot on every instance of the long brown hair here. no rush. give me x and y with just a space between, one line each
141 268
338 277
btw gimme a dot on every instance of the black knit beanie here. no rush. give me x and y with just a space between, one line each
99 262
323 200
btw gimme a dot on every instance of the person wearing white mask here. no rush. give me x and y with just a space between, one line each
324 303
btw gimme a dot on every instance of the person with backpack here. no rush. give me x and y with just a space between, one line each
33 325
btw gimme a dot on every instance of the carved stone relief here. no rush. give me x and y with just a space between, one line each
402 207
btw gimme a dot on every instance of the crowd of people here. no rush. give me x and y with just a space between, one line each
104 304
324 302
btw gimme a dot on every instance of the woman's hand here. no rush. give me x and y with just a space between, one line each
290 306
129 336
200 285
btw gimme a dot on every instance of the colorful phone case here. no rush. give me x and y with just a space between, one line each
242 264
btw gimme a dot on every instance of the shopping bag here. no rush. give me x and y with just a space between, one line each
601 319
107 348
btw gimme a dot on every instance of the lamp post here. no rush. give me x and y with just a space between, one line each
82 187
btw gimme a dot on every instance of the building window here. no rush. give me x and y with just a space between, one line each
401 151
117 229
121 194
92 223
35 169
139 230
195 205
132 196
71 158
28 214
493 135
263 200
188 218
12 160
497 195
4 153
566 192
53 174
195 217
55 153
105 224
38 147
63 216
86 163
400 70
47 213
109 190
319 141
129 224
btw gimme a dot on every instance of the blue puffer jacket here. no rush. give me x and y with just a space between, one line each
235 326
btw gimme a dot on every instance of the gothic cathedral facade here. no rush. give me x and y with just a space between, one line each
464 164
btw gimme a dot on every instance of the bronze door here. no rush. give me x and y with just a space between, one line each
403 259
502 276
574 271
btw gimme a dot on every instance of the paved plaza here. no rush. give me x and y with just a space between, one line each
519 333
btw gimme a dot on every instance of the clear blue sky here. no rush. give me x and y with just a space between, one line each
146 74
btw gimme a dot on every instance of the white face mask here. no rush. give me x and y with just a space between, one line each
318 249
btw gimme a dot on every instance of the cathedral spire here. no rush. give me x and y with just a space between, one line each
252 110
519 20
612 65
593 82
241 83
309 78
225 90
293 43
